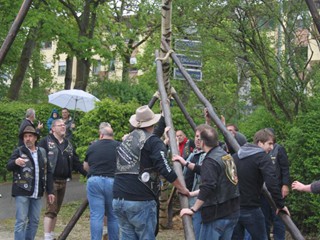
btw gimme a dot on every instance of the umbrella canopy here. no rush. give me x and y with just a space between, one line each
73 99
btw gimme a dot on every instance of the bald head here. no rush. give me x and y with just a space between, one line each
105 131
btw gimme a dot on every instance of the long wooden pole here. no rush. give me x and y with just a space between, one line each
186 219
292 228
14 29
231 140
74 220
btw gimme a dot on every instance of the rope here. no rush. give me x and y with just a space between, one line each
165 57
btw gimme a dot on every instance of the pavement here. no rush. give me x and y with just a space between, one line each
76 190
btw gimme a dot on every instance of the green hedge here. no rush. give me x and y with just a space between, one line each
11 115
303 148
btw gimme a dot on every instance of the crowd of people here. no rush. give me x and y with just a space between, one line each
123 179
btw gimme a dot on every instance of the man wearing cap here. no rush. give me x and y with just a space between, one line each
32 176
140 161
63 160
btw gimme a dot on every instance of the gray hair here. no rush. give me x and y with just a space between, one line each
30 112
105 129
54 122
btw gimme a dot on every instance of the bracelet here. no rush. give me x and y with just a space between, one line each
192 210
187 164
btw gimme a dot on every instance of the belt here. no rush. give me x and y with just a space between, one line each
101 175
60 180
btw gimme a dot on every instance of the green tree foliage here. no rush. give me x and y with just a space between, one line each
124 92
303 147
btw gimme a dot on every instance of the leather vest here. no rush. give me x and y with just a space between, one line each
128 160
227 187
53 152
25 177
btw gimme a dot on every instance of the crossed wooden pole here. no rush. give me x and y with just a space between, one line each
291 227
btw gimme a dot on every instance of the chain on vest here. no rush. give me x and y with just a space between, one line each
128 160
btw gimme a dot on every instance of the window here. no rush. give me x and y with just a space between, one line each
48 65
46 45
96 68
62 68
112 66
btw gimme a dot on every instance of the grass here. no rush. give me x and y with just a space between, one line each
81 230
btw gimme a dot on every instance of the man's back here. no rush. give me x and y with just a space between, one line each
254 167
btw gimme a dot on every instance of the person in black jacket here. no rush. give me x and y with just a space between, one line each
28 121
63 160
32 176
254 168
280 160
141 158
218 196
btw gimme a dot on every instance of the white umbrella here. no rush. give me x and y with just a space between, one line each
73 99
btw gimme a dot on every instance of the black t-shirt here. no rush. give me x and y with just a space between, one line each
129 187
101 157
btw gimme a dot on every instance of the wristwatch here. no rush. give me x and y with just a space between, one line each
187 164
192 210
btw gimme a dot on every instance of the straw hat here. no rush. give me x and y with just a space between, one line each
144 117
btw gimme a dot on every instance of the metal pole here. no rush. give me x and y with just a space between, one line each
14 29
292 228
186 219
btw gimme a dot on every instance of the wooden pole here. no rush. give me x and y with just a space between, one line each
186 219
73 220
152 101
166 33
292 228
231 140
14 29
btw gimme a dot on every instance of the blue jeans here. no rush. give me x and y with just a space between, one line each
99 192
279 229
27 217
253 221
137 219
196 222
220 228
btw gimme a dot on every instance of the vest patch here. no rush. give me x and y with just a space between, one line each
231 170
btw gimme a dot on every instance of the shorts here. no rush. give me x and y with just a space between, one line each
59 189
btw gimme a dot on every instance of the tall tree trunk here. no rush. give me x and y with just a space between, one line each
126 67
83 70
68 76
314 13
23 63
87 25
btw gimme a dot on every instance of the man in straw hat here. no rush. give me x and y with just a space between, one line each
140 161
31 177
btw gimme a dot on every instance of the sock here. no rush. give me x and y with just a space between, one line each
47 236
